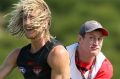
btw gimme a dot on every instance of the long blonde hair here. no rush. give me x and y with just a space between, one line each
15 26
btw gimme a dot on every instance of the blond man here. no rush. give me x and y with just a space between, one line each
44 57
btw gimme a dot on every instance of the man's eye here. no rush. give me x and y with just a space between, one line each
31 17
91 37
100 39
24 17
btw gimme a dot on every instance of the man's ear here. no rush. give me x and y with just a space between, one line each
79 38
46 24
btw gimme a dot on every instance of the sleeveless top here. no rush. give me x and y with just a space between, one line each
75 73
35 66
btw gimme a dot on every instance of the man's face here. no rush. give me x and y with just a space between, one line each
32 23
92 42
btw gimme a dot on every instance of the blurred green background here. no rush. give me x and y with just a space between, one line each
68 15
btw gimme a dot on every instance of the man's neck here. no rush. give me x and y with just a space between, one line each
37 44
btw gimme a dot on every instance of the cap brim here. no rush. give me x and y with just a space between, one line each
104 31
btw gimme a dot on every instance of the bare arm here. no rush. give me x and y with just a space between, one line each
9 64
58 59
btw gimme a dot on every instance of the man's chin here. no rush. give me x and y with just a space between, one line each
95 52
30 37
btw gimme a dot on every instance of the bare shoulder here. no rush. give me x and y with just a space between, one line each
59 51
12 57
58 56
59 48
9 64
14 53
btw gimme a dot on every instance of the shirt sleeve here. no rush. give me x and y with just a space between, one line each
106 70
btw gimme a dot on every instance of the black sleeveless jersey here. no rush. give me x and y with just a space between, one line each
35 66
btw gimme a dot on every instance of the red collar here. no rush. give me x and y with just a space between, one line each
84 66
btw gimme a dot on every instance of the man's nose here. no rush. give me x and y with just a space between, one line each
28 21
96 41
